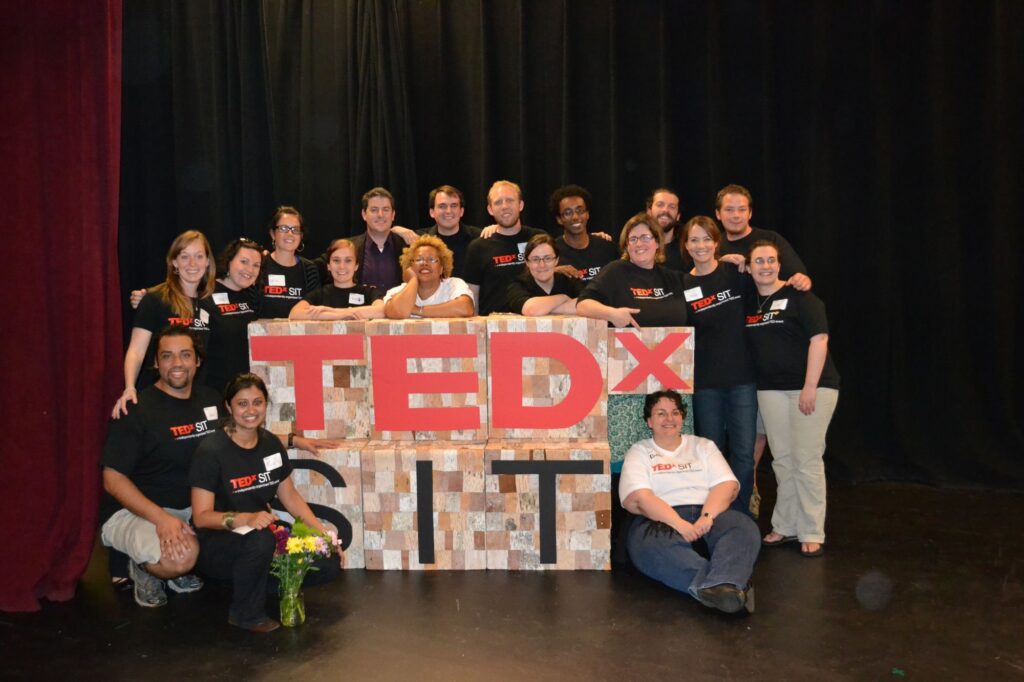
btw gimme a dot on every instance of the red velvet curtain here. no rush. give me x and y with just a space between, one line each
61 346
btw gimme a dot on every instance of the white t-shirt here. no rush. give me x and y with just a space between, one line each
681 477
449 290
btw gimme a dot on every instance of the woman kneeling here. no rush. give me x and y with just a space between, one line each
681 487
236 473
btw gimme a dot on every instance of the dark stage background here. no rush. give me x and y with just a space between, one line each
883 139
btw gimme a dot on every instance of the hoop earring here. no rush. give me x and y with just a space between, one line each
302 247
175 269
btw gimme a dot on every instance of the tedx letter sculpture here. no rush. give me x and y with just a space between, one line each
469 443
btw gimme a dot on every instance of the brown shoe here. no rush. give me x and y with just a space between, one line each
265 625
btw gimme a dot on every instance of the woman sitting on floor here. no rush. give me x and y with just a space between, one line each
681 488
429 289
236 473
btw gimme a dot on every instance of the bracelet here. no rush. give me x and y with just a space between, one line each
708 516
228 520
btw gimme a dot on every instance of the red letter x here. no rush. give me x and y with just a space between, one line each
651 362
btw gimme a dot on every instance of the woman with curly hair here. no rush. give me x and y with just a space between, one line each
429 289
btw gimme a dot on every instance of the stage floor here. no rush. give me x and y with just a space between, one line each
916 583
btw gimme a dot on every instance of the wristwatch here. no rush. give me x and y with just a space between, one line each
228 520
291 440
708 516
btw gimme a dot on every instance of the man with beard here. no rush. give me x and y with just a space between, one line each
145 464
577 248
447 208
491 264
663 208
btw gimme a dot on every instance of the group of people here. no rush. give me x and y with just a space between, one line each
762 373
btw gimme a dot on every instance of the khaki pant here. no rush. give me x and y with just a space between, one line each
798 444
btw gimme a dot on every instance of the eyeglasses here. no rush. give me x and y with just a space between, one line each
570 212
537 260
640 238
420 260
293 229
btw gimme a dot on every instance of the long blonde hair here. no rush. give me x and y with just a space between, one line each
170 291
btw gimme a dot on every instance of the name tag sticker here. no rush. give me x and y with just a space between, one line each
210 412
692 294
272 462
204 317
275 280
221 298
780 304
356 299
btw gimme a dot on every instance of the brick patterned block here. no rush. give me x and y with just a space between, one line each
671 369
392 476
518 515
332 484
390 380
543 381
346 383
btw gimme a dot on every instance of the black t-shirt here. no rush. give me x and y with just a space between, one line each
789 261
458 243
492 264
676 257
349 297
227 353
721 356
599 253
153 444
524 287
153 315
242 480
656 292
779 329
280 287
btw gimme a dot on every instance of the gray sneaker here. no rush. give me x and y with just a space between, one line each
183 584
149 590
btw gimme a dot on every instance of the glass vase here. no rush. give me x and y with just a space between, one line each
293 609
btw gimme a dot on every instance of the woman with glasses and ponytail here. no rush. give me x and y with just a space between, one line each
540 290
286 277
637 290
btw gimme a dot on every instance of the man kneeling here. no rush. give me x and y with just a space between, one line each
145 472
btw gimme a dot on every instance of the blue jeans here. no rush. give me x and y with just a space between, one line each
728 416
733 543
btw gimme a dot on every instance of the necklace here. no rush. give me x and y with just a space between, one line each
761 303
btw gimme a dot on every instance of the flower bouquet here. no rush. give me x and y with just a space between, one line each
297 548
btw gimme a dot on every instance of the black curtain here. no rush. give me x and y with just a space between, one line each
882 139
